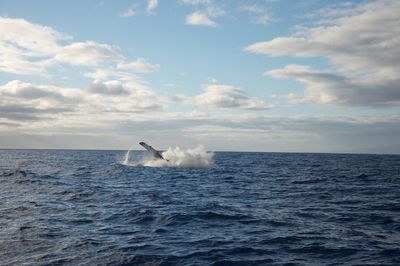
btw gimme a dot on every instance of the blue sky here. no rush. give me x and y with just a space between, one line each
266 75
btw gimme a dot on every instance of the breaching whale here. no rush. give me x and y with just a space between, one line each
156 154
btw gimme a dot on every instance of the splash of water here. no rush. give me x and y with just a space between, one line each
176 157
127 156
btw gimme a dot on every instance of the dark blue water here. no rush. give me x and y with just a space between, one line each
84 207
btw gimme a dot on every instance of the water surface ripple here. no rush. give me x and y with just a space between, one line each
84 207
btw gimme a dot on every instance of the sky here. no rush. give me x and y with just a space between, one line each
253 75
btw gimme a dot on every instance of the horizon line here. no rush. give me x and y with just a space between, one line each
218 151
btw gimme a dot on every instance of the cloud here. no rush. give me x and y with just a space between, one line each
377 134
87 53
112 87
129 93
196 2
31 49
127 13
28 91
335 89
226 96
115 90
364 55
127 77
203 17
299 133
151 5
139 66
331 11
47 116
18 113
33 39
25 101
199 18
315 133
23 46
262 15
57 104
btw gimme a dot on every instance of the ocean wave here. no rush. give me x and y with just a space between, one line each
85 208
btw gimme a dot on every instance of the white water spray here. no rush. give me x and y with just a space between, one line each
175 157
127 156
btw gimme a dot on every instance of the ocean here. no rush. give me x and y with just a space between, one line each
75 207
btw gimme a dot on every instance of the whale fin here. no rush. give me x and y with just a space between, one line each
156 154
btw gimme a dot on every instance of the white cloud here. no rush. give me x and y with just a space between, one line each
139 66
138 96
199 18
100 129
335 89
262 15
195 2
27 91
227 96
87 53
32 39
116 89
23 45
111 87
12 61
302 133
48 116
57 104
22 100
203 17
214 11
127 13
362 44
133 80
31 49
151 5
117 92
334 10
